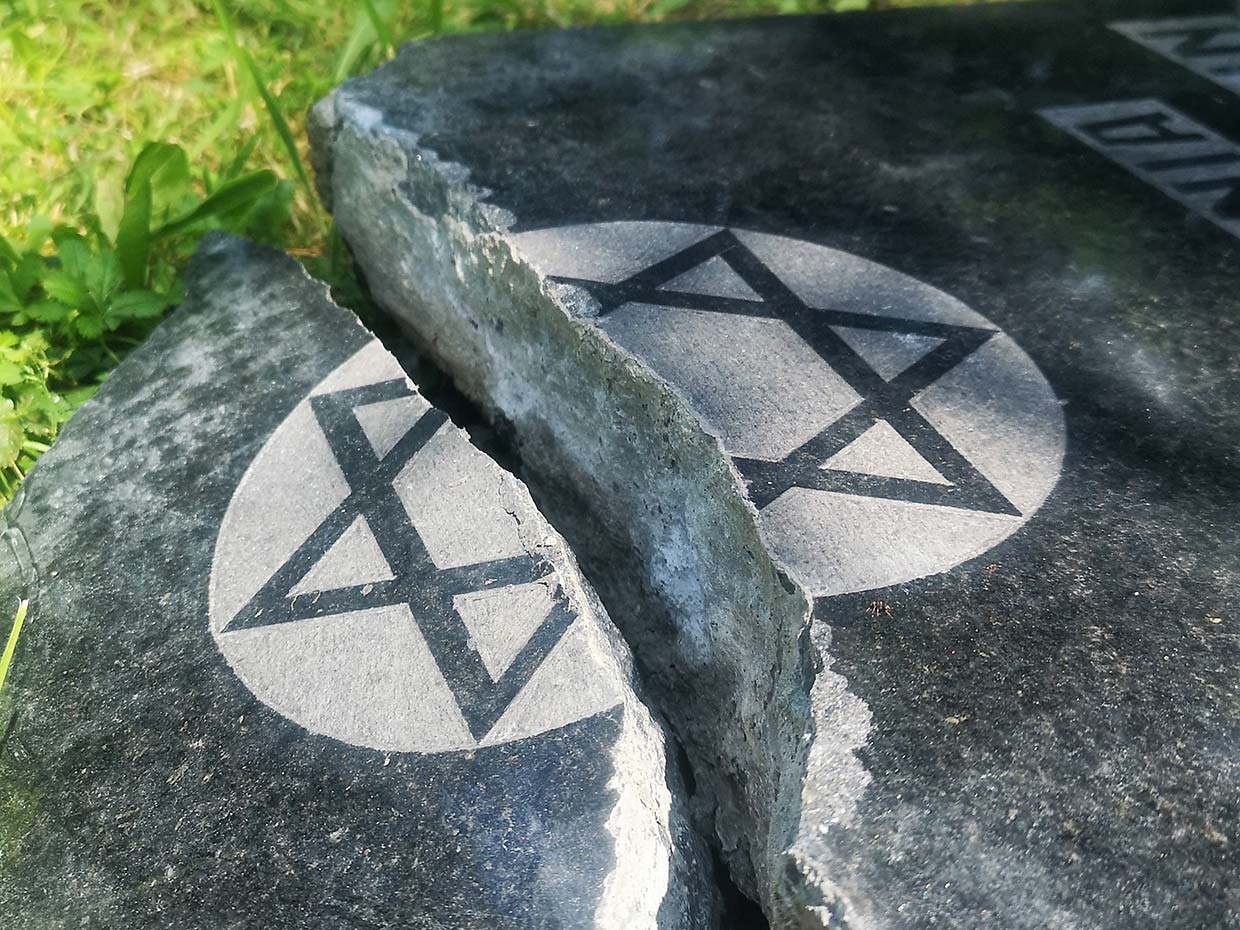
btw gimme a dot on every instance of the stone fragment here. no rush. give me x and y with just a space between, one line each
300 656
920 325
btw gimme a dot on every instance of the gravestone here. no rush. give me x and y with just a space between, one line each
300 656
884 367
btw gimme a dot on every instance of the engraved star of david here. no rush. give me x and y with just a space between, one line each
881 399
426 590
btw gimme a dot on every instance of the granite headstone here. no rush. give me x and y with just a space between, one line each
886 366
300 656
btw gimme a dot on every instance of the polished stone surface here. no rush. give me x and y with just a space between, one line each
300 656
973 357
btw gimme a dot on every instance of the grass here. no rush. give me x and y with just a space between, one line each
6 659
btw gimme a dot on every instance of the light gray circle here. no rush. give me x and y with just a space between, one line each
366 676
765 391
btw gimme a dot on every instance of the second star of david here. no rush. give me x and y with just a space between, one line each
428 591
881 399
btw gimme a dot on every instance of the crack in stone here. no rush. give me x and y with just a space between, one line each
740 911
654 510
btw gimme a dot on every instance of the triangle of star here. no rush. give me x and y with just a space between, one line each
501 623
883 453
385 422
889 354
354 558
713 278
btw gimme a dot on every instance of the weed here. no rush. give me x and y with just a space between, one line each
73 300
6 659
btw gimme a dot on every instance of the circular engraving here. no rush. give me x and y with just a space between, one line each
885 431
371 581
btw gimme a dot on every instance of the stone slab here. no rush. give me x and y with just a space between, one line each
300 656
927 317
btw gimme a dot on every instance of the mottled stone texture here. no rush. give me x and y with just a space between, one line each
165 764
1036 733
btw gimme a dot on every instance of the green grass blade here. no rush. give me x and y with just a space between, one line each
133 236
225 20
380 27
7 252
436 17
230 196
283 131
233 169
359 43
273 110
154 158
228 120
11 647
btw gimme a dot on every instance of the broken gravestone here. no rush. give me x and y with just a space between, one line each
922 325
301 656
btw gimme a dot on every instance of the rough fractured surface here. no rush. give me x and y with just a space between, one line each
1039 641
301 657
624 459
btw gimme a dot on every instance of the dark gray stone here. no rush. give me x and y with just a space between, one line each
920 325
300 656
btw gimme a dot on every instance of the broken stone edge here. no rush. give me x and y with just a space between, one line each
648 820
646 782
721 627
